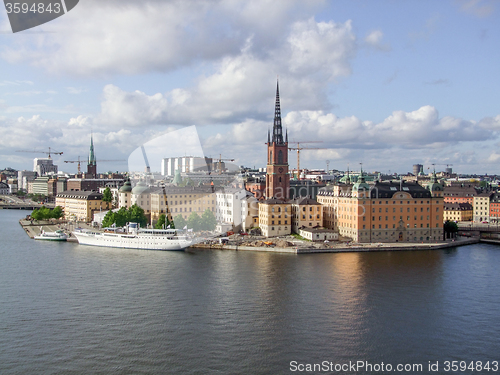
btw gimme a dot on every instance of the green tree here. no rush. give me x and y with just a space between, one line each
136 215
161 221
208 221
107 196
194 222
121 217
180 222
57 212
109 219
450 228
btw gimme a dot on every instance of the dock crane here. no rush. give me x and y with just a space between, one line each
50 152
298 148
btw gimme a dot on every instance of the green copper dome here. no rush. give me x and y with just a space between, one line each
127 187
434 185
140 188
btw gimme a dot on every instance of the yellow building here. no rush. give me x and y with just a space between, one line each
81 205
307 213
384 211
457 212
275 217
173 201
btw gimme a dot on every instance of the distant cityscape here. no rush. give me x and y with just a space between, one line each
319 204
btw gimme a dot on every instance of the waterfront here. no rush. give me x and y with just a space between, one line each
71 309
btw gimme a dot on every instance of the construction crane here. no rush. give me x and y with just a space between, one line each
447 165
298 148
79 162
74 161
50 152
220 160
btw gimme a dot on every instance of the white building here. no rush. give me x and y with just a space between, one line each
23 177
237 207
44 166
186 164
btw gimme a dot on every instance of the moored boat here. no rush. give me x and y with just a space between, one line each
133 237
58 235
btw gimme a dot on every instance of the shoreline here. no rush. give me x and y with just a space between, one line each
32 229
376 247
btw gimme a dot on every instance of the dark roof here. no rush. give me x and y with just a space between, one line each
457 191
302 201
88 195
317 230
388 189
457 206
275 201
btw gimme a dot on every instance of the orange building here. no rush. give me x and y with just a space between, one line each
384 211
459 194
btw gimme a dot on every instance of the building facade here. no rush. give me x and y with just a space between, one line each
81 205
384 211
457 212
481 207
306 213
275 217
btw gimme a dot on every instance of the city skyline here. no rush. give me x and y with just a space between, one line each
388 84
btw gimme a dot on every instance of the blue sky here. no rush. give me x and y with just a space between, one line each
385 83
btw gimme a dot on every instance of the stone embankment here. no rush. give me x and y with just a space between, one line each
34 227
295 246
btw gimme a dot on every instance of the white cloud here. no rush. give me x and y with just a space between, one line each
242 85
374 39
111 37
479 8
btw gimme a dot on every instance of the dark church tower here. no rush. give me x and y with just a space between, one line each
92 164
277 177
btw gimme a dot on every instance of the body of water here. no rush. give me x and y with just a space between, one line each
71 309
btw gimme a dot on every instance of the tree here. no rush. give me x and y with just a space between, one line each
109 219
194 222
121 217
161 222
450 228
179 221
136 215
208 221
44 213
107 196
57 212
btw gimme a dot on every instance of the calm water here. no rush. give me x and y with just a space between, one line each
72 309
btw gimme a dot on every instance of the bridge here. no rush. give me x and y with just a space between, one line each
486 232
11 202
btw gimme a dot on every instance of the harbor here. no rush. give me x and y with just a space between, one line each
289 244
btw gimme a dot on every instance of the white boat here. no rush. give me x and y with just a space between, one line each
133 237
58 235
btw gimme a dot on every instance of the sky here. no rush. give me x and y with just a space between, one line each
385 83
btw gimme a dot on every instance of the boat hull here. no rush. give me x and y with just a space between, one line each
127 241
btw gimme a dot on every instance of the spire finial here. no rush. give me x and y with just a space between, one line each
277 129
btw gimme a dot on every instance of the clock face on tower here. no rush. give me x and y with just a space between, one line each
280 169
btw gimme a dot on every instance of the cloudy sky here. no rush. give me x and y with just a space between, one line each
385 83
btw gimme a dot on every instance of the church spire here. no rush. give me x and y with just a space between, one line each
277 129
92 160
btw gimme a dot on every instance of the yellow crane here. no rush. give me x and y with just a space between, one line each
298 148
219 162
